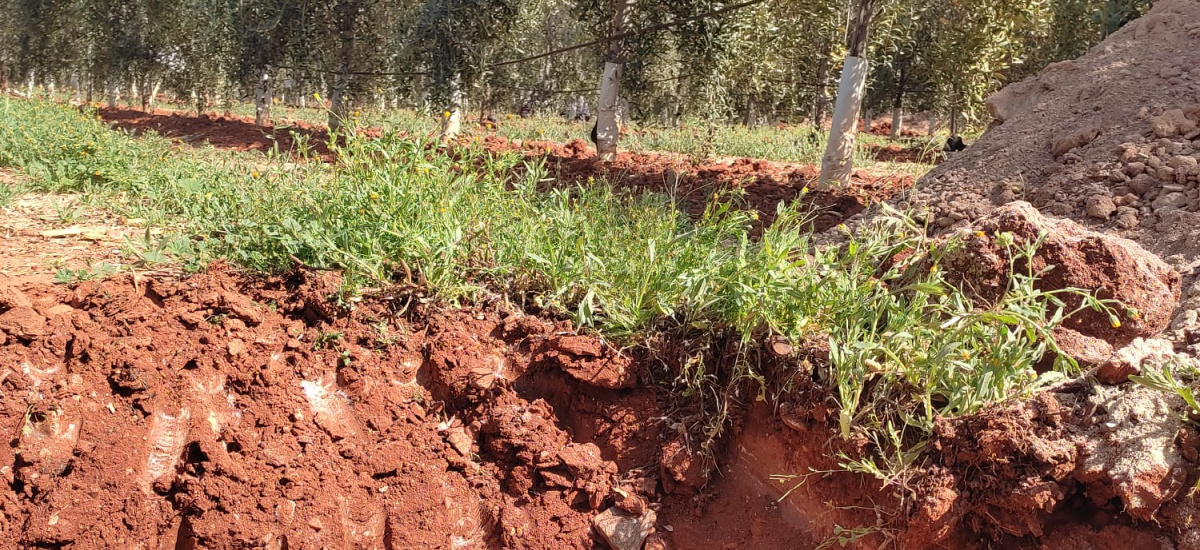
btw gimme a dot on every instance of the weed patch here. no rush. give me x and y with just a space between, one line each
904 346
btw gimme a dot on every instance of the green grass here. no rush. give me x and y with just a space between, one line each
905 347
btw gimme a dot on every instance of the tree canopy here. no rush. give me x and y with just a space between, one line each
772 60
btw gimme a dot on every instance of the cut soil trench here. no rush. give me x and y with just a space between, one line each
220 411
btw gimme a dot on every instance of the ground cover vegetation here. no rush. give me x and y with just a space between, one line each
465 225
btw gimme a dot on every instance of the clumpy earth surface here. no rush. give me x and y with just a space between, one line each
223 411
1110 139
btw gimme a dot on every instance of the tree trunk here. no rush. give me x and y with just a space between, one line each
607 130
837 164
932 122
897 121
154 92
112 93
818 109
452 118
348 13
898 107
262 98
748 115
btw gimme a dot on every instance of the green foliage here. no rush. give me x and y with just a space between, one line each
100 270
904 346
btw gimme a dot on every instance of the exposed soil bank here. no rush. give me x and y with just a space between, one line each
222 412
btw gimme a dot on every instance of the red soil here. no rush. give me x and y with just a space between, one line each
221 411
763 184
224 131
225 412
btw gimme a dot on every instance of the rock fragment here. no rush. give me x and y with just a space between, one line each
622 530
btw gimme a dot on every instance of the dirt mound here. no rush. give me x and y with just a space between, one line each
765 184
1109 139
224 131
1069 256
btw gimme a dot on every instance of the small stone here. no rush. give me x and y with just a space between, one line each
458 438
236 347
1181 161
657 542
1129 360
60 309
1135 168
1172 200
1060 209
1166 173
1142 184
23 322
11 297
316 524
1171 123
624 531
1127 217
1100 206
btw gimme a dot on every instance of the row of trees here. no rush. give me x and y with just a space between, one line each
748 61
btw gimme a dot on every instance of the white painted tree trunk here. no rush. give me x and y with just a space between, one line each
113 94
837 164
452 118
607 130
154 93
897 122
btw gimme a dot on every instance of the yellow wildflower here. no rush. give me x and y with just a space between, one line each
316 96
1116 323
980 234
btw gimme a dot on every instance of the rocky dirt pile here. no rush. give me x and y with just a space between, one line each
1111 140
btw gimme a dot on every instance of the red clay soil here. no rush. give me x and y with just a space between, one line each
224 131
765 184
220 411
897 153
